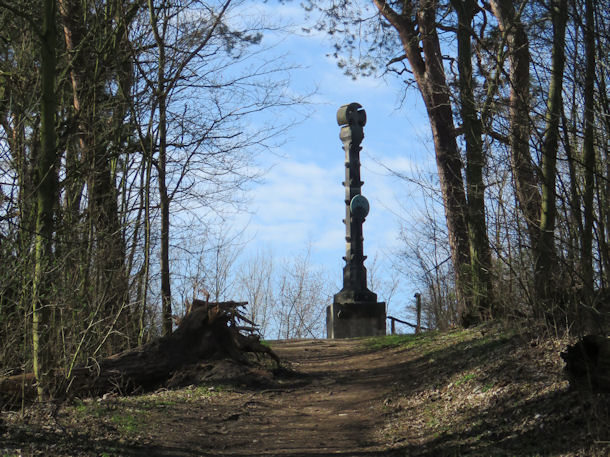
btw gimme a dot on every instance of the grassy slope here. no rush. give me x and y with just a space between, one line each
478 392
490 392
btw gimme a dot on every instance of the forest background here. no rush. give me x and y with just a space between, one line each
145 146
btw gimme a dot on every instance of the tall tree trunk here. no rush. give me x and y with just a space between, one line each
545 267
164 201
166 295
588 151
604 184
426 64
90 66
143 295
46 191
575 215
71 14
480 252
526 184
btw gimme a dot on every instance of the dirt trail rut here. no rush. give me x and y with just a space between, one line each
336 409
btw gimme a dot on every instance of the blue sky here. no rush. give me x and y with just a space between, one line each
299 201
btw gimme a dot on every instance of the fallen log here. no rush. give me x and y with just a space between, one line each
588 363
208 332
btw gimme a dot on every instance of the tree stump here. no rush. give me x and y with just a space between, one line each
588 363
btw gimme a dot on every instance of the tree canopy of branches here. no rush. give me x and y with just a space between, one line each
121 123
517 104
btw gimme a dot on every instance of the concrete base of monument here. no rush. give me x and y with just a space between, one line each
358 319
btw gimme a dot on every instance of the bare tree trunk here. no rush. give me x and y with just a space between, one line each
480 253
46 190
604 189
166 295
87 74
526 184
588 151
427 67
575 216
168 77
144 279
545 267
161 99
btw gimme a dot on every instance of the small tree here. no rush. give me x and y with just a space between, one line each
256 281
302 297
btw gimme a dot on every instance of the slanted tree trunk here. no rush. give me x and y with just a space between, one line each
526 183
415 27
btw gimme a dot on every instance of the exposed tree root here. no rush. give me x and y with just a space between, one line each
208 333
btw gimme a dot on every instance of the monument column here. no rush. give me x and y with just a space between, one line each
355 311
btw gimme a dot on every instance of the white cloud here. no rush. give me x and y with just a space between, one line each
295 203
303 202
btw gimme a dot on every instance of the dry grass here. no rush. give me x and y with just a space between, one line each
492 392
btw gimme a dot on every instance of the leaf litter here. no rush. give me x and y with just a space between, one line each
485 391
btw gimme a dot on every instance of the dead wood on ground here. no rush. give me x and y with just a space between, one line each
588 363
208 333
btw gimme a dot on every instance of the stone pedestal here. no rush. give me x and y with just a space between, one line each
352 320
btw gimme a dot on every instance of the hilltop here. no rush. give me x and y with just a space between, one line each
485 391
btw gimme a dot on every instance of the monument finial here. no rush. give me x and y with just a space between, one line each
352 114
352 119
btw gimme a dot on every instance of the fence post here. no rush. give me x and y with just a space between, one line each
418 304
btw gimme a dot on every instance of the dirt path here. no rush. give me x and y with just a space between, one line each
336 409
476 392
